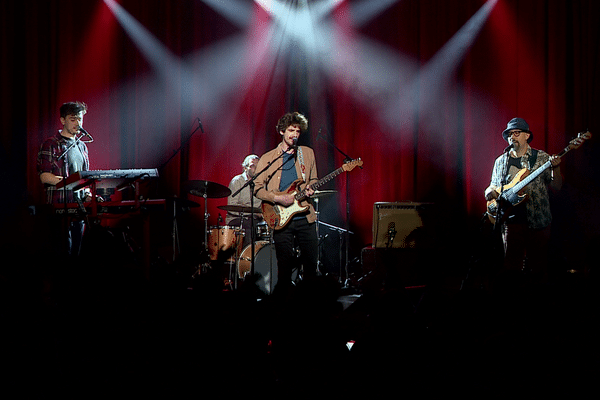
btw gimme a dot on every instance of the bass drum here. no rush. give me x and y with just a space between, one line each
265 265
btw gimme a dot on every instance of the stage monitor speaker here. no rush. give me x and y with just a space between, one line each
398 224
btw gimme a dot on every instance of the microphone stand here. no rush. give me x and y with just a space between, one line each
163 165
496 238
499 200
175 228
340 231
347 159
64 155
251 183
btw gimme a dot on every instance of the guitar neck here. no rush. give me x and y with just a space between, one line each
301 195
519 186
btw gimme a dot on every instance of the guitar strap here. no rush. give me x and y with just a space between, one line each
301 159
533 158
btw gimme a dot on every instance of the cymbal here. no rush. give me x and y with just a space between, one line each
321 193
206 188
240 209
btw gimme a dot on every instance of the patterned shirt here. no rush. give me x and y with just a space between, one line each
538 202
48 161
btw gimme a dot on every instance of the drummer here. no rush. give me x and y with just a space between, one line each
243 198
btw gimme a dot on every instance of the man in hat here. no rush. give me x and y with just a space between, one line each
525 227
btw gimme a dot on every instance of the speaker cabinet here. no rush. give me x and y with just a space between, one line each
399 224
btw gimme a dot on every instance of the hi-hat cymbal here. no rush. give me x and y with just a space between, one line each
240 209
321 193
206 189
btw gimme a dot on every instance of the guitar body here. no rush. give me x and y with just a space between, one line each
277 216
508 197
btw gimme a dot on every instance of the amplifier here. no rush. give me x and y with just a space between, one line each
398 224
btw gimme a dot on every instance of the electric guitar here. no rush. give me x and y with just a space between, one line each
277 216
513 193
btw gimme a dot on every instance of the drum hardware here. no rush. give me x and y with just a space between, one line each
347 159
206 190
240 209
179 205
263 232
341 231
316 195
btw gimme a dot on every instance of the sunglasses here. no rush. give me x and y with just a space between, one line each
515 133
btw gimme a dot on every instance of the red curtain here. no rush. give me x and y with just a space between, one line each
536 59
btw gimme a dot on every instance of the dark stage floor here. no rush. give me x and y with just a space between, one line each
97 329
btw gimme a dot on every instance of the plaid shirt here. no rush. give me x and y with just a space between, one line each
538 203
47 161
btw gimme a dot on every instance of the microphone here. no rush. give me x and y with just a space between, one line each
86 133
294 146
510 146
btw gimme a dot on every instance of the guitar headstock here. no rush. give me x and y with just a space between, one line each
581 137
350 165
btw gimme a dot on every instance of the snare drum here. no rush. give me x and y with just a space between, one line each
225 241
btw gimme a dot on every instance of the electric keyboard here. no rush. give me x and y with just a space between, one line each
84 178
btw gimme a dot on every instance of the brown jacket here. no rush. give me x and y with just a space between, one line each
267 184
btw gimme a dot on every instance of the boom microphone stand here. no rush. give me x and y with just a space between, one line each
250 182
347 159
67 223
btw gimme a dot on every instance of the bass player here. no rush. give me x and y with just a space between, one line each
525 227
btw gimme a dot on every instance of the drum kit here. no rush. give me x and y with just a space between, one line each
225 243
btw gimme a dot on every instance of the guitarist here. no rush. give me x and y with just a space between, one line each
297 162
525 227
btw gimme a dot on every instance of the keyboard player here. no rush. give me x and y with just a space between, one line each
60 156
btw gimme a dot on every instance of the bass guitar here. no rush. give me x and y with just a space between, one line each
277 216
513 193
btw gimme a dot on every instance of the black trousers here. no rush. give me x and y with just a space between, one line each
65 235
304 234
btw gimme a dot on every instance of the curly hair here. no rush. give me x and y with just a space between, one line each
289 119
